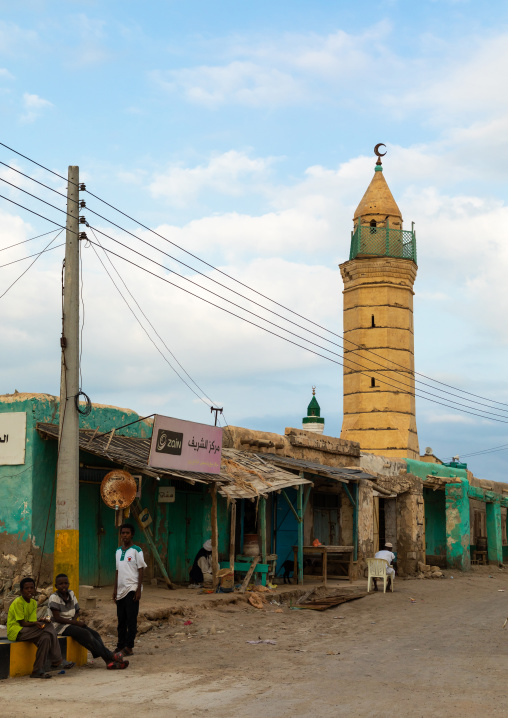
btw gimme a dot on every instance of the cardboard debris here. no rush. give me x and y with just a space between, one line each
321 604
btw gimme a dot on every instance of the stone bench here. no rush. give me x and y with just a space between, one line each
17 657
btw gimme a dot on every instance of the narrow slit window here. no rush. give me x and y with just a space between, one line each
373 322
373 382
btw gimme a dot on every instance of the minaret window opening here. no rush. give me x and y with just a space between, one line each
372 382
373 226
373 322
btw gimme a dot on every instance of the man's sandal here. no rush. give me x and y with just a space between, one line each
40 674
117 665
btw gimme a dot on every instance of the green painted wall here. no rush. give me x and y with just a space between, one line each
422 469
494 536
27 491
435 523
457 525
182 527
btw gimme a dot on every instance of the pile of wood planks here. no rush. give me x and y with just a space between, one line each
321 604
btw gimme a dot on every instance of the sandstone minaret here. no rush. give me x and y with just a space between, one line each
379 404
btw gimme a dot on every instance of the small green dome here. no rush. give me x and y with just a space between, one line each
313 411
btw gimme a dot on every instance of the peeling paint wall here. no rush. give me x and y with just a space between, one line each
457 526
27 491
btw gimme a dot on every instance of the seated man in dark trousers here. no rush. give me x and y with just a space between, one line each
64 607
128 586
22 625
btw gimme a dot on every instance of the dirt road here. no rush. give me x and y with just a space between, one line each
382 655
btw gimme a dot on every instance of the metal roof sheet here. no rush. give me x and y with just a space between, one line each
242 475
339 473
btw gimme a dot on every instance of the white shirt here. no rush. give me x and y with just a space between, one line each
128 563
388 555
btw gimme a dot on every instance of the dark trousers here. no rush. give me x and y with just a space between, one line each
91 640
47 644
127 613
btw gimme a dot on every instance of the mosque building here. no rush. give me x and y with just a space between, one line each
379 402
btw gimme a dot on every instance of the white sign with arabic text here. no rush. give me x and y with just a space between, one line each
12 438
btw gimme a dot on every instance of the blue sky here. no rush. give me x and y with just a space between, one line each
244 133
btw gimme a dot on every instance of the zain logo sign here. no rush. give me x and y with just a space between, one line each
169 442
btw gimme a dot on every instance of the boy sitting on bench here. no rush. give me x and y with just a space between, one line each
22 625
64 607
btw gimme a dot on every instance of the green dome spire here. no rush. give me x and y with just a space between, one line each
313 421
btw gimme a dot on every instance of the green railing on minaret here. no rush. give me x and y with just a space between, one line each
367 241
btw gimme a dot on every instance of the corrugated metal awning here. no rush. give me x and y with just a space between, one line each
242 474
339 473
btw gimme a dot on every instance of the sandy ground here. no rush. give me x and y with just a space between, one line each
381 655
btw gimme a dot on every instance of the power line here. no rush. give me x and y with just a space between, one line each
289 331
391 361
483 414
412 393
37 254
151 325
31 265
269 331
116 209
502 447
2 249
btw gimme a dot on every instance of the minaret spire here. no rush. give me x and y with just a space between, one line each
379 402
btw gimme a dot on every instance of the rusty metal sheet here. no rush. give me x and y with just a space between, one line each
118 489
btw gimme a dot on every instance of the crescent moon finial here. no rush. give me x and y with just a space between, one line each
378 153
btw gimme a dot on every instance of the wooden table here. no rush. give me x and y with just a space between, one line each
325 551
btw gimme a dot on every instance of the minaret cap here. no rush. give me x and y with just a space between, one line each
313 421
378 202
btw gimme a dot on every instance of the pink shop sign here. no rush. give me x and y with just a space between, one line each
185 446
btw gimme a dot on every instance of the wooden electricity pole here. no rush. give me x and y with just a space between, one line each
66 556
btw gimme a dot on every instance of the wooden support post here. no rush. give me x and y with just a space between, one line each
215 538
262 527
249 574
136 509
299 510
232 537
242 523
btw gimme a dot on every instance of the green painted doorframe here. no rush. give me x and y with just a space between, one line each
299 512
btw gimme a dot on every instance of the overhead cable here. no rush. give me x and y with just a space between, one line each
385 359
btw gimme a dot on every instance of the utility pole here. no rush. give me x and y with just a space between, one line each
66 555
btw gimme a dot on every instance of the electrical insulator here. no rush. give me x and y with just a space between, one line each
82 235
82 203
82 220
82 187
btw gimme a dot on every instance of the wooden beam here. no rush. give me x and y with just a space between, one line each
262 527
299 504
215 538
136 509
290 504
349 496
232 536
249 574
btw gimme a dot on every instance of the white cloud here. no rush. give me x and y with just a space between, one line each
34 106
245 83
284 70
229 173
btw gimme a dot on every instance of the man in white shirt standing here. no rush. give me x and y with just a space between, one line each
130 564
387 554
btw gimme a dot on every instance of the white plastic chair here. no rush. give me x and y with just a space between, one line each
377 569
